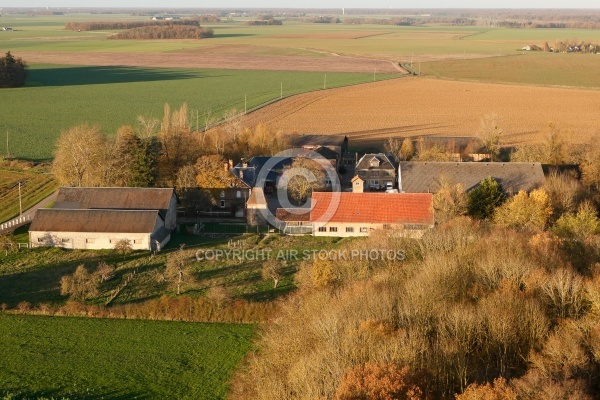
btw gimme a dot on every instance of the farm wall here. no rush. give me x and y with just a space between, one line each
88 240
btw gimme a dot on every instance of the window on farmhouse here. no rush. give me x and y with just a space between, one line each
349 229
91 240
322 229
65 240
333 229
137 241
363 229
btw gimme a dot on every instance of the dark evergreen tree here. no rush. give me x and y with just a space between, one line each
483 200
13 71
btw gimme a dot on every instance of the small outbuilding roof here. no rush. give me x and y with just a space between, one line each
425 176
387 208
293 215
108 221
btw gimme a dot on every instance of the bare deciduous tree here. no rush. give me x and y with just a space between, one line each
272 269
490 134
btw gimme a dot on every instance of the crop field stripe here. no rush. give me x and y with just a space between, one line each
103 358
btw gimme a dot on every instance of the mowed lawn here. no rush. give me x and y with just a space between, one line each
58 97
118 359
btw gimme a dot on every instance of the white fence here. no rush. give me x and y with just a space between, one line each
15 223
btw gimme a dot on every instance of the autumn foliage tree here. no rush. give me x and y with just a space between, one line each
212 171
179 146
525 211
378 382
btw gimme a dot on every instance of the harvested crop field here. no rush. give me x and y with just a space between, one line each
336 35
370 113
199 59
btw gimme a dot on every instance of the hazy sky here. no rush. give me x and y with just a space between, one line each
305 3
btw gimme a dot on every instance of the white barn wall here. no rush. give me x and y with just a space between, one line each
88 240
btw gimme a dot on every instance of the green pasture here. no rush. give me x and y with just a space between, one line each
577 70
34 275
58 97
118 359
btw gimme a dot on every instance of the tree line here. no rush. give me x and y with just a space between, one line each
113 25
264 20
165 152
165 31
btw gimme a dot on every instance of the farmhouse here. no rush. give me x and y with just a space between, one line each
98 229
425 177
161 199
358 214
376 170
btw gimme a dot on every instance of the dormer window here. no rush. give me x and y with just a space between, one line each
222 194
374 162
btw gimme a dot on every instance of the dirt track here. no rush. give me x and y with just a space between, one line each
214 60
371 113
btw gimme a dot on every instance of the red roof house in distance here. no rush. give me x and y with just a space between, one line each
345 214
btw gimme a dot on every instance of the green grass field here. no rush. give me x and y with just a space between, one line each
578 70
58 97
34 275
118 359
36 186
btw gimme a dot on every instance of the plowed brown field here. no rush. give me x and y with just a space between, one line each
370 113
191 59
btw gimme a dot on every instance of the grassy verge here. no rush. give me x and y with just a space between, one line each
117 359
34 275
35 186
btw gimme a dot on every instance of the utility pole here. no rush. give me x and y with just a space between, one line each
325 82
197 121
374 72
245 103
20 204
7 150
281 91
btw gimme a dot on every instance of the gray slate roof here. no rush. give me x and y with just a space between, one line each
424 176
114 198
384 162
109 221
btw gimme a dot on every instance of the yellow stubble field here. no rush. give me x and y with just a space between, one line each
371 113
